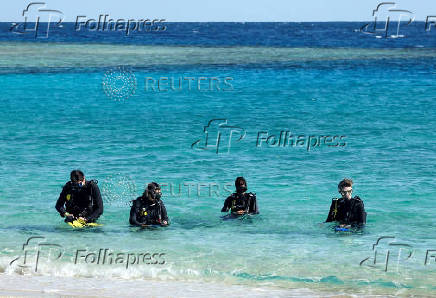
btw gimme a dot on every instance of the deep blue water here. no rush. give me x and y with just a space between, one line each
306 34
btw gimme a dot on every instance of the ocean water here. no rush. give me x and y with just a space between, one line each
311 80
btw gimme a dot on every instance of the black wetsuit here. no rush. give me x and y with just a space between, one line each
237 202
82 201
349 212
145 212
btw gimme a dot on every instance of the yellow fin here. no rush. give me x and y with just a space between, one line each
76 224
93 224
81 224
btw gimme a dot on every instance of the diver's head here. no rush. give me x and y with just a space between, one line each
241 185
345 188
77 178
153 192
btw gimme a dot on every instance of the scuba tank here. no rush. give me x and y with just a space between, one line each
72 197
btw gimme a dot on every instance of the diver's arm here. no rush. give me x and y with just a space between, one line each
98 202
164 215
226 206
253 205
132 219
361 214
61 202
330 217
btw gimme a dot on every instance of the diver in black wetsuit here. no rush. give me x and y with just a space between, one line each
241 202
347 211
81 198
149 209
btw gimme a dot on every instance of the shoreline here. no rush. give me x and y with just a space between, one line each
48 286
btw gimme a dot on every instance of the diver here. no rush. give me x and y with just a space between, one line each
81 198
347 211
149 209
241 202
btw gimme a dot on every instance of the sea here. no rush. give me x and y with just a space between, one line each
292 107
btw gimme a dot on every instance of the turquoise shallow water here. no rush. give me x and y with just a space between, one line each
55 117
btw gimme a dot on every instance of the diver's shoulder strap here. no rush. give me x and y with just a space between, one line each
67 185
335 210
136 202
159 209
358 202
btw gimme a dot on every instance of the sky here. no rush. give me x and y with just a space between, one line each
220 10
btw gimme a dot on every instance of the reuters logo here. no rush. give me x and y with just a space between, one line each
118 189
119 83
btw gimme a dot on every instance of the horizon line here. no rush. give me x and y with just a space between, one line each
414 21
